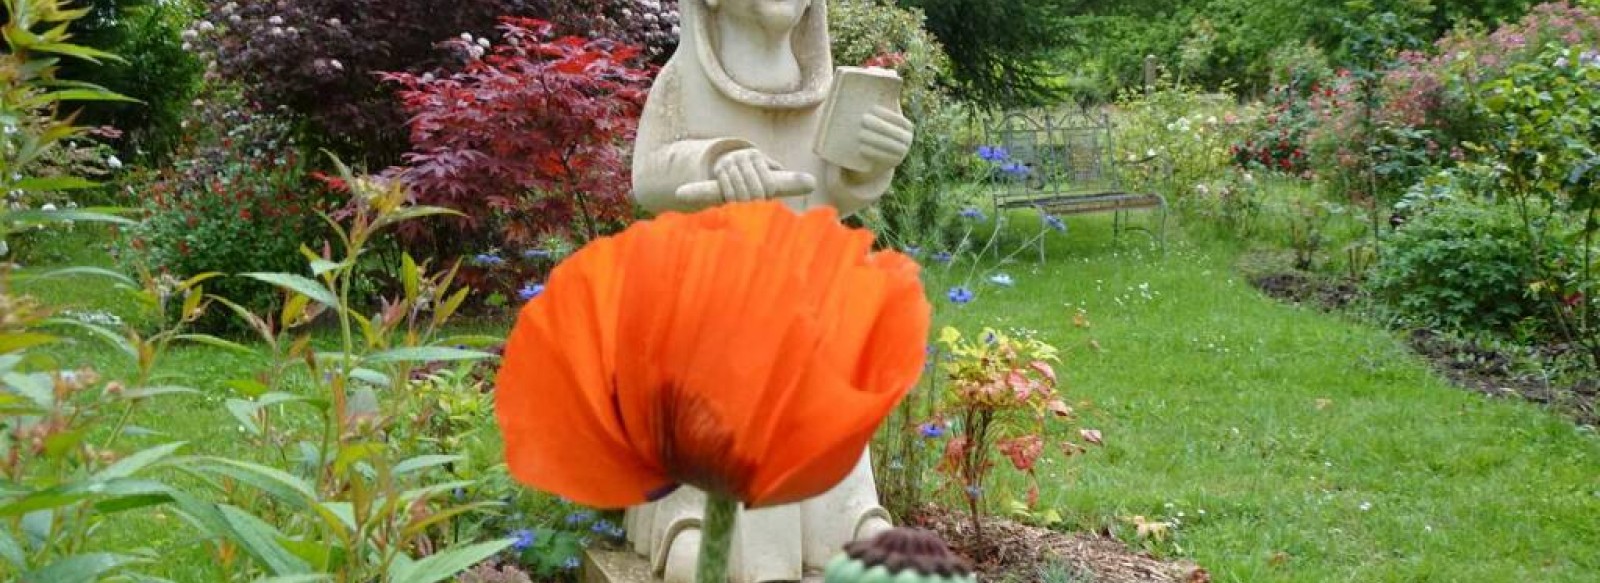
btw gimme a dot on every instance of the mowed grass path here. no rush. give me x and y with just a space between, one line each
1297 445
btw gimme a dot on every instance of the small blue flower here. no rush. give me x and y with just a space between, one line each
943 257
960 295
601 526
617 531
530 290
570 564
972 213
914 251
989 338
1014 169
1002 279
1055 222
536 254
524 539
993 153
931 431
579 517
488 260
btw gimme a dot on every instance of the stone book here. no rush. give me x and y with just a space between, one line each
856 90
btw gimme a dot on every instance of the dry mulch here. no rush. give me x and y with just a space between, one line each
1022 553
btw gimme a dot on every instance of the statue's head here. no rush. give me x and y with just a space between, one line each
773 16
805 20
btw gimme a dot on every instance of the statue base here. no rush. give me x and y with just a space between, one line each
623 566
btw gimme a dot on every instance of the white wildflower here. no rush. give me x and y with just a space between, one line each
275 20
48 207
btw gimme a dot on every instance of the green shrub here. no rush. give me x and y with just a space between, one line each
918 210
159 71
1461 264
236 201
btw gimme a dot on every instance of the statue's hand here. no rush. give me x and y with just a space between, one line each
886 137
747 175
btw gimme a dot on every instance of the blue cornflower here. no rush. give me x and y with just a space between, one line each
524 539
989 338
488 260
536 254
1056 223
1014 169
960 295
943 257
931 430
1002 279
972 213
617 531
580 517
530 290
993 153
570 564
601 526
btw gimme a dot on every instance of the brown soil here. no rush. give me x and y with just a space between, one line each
1487 371
1468 365
1301 289
1022 553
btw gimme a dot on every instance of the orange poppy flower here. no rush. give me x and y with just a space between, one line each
745 350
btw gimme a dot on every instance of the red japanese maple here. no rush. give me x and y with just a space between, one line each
528 139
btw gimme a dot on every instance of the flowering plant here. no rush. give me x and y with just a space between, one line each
1000 397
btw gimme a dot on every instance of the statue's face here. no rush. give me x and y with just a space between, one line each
774 16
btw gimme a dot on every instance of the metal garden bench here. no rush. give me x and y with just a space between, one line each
1065 164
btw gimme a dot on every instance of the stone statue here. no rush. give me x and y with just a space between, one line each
735 115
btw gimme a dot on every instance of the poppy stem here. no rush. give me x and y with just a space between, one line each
716 538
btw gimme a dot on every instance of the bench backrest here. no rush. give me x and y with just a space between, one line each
1046 154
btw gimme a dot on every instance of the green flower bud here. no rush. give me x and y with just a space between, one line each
902 555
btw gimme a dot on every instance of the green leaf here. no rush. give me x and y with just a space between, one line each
152 392
38 217
15 341
85 53
11 551
37 387
53 183
56 497
125 495
85 568
426 354
410 276
210 340
448 563
128 466
296 579
299 284
76 271
86 95
116 340
278 483
320 267
339 515
423 462
260 539
248 387
371 377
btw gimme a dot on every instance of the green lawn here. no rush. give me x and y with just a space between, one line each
1297 445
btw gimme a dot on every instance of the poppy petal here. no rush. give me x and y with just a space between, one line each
555 400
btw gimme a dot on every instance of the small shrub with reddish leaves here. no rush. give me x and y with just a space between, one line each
528 140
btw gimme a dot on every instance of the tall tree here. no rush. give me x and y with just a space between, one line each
1000 50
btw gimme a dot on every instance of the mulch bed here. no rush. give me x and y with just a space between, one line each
1468 365
1022 553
